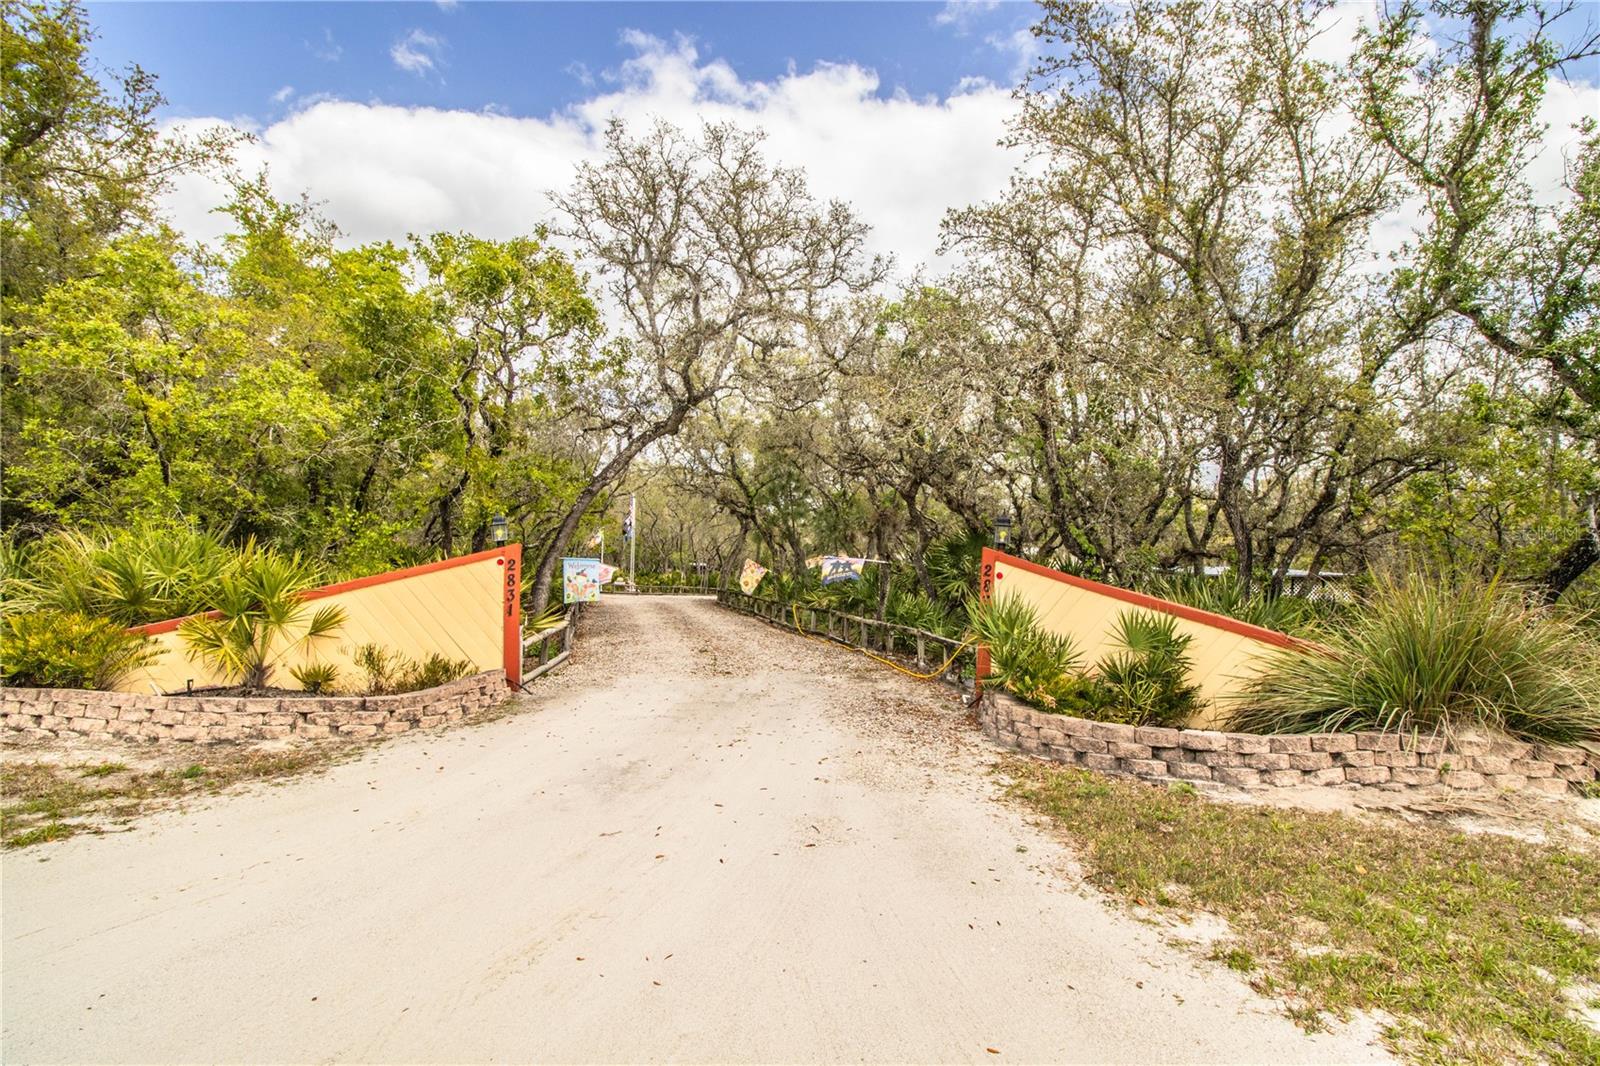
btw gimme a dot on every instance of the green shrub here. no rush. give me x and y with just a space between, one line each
65 649
1431 656
1227 596
436 670
1039 667
20 589
380 664
1143 682
144 574
1146 682
389 672
553 616
953 564
920 611
260 616
316 677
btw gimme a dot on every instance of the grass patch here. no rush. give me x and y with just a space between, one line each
1466 941
105 769
42 834
46 801
1235 958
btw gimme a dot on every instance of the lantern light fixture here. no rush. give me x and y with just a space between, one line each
1002 530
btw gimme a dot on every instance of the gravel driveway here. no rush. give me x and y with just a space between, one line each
704 840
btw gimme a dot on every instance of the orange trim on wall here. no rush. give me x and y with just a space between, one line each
1139 599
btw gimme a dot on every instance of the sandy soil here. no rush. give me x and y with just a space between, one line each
704 840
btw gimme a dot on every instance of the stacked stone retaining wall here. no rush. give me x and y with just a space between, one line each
43 712
1247 760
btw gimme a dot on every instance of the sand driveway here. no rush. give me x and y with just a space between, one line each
705 840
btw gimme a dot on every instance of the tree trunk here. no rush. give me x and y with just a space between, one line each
544 575
881 550
445 514
1573 562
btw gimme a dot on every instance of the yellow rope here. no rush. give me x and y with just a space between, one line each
794 611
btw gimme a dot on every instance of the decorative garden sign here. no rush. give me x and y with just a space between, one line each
580 580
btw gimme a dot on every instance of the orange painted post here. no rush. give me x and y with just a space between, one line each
985 592
511 557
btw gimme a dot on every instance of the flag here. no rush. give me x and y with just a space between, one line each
606 573
841 568
753 573
814 561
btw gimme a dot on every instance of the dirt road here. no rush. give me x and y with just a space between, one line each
705 840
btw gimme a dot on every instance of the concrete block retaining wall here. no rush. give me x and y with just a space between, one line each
43 712
1248 760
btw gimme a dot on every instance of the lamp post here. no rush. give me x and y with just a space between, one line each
499 529
1002 529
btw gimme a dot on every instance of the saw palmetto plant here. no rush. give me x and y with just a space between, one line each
259 615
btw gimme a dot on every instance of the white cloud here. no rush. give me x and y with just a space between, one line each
283 94
447 5
961 13
382 171
328 50
1021 45
417 52
580 71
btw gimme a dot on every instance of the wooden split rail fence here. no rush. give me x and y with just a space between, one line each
546 649
920 648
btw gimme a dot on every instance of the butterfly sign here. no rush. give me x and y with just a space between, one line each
751 576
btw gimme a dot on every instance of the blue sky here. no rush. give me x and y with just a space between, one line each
419 117
529 58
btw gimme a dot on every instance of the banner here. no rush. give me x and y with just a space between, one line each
580 580
841 568
753 573
606 573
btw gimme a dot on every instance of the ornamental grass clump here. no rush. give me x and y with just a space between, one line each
1430 656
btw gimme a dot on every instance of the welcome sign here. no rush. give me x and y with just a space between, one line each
580 580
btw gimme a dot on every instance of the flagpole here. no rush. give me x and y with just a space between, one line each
633 541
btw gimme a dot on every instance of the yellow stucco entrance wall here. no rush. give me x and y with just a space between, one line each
1225 651
462 608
